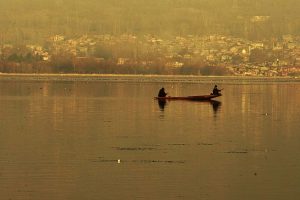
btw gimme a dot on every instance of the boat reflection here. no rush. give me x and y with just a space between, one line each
215 104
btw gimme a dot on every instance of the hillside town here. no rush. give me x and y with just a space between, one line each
196 55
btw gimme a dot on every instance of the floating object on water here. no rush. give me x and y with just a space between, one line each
119 161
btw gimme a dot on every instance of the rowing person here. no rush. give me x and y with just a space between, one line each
162 93
216 91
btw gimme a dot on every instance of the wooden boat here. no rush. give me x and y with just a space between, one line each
190 98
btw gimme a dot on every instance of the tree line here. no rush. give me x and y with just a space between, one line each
89 65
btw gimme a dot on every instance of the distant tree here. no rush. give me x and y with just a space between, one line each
28 57
62 64
257 56
236 59
103 52
213 70
14 57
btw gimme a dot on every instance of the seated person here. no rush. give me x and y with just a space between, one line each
216 91
162 93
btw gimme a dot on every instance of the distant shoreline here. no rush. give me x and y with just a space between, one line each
140 78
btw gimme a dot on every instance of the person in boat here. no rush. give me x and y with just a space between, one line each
162 93
216 91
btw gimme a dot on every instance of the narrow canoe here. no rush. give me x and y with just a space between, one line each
191 98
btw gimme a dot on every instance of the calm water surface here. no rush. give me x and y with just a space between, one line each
89 140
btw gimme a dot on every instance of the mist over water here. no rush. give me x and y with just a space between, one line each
111 140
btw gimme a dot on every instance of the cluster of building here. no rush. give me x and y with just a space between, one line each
274 57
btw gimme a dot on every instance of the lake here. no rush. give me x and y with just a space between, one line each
92 139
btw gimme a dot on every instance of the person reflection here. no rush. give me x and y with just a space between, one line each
162 104
216 105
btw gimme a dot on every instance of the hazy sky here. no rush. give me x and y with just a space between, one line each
30 20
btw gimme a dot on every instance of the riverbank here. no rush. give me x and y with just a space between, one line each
142 78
